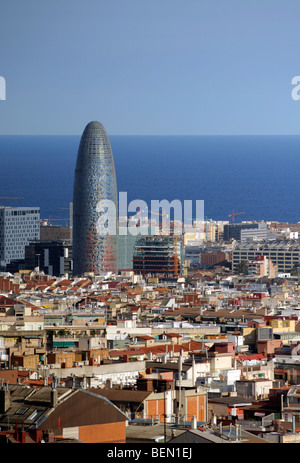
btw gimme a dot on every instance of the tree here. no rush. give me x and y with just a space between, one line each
241 267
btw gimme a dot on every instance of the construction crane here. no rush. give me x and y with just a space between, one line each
163 221
164 215
70 209
233 214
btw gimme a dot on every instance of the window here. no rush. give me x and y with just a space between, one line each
21 411
36 414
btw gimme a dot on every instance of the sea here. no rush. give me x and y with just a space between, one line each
255 176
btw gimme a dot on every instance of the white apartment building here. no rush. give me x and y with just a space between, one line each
18 226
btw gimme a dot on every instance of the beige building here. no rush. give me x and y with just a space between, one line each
25 361
261 266
282 324
254 388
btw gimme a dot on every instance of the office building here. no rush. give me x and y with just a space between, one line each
95 181
284 254
55 232
245 231
207 255
158 255
54 258
126 245
18 226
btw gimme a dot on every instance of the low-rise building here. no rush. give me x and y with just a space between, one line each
45 415
254 388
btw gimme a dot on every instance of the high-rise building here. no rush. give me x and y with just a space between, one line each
94 182
158 255
18 226
126 245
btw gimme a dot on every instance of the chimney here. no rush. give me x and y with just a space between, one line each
294 424
213 420
193 370
179 363
49 436
37 435
54 396
4 397
22 434
194 423
220 428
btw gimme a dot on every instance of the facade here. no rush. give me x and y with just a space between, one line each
126 245
192 254
95 181
261 233
52 257
285 254
244 231
55 233
184 405
18 226
158 255
206 256
209 259
261 266
254 388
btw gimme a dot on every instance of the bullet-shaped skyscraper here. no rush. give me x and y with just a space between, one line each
94 182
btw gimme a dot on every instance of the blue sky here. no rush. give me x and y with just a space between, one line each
150 67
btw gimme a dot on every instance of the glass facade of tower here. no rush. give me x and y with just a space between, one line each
95 181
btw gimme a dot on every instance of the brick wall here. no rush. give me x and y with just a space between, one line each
65 358
25 361
7 285
195 406
103 433
156 407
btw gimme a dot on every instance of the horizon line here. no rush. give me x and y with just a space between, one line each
150 135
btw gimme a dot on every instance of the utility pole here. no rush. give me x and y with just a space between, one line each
165 417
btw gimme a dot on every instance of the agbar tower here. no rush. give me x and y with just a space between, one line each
94 181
